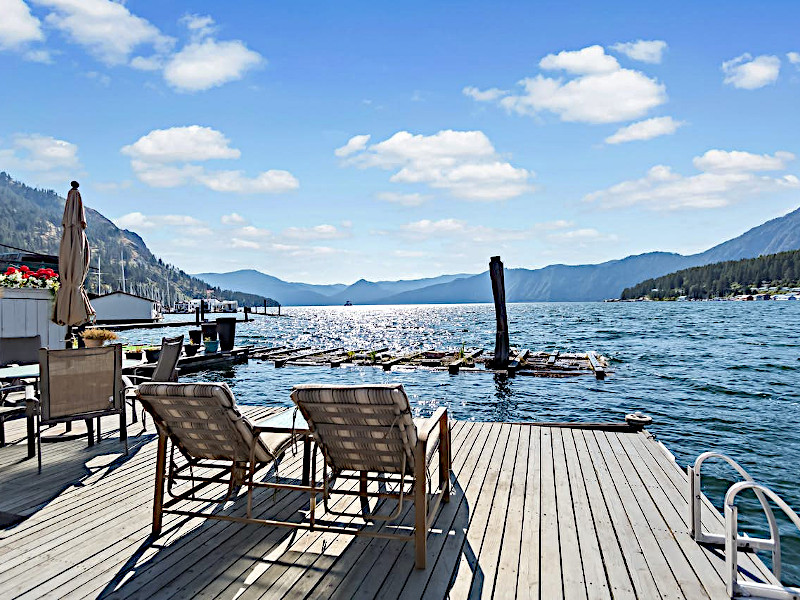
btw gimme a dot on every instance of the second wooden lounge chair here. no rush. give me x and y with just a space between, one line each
366 432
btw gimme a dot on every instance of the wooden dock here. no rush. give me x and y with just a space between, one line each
537 512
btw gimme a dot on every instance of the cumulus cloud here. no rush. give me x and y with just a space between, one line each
192 143
209 63
793 57
413 199
108 30
233 219
645 130
725 177
484 95
139 221
167 157
720 161
464 163
582 236
599 90
41 154
748 73
353 145
199 26
318 232
650 51
586 61
18 26
460 230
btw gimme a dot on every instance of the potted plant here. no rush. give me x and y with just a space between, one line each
191 349
94 338
196 336
211 345
24 277
152 353
133 352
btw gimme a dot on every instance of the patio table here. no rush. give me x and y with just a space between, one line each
292 421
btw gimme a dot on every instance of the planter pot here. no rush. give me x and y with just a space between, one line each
152 355
191 349
134 355
212 346
226 328
196 336
209 331
93 343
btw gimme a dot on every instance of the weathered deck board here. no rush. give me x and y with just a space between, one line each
536 511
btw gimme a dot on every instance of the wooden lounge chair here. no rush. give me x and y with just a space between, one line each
203 422
80 384
166 370
365 433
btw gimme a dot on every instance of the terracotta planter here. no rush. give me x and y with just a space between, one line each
90 343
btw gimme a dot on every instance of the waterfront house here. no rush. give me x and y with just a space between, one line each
123 307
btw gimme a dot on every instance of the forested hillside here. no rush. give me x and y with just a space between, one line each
722 279
30 219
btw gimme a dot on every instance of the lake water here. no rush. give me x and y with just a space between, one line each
721 376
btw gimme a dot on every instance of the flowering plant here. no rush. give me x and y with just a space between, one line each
24 277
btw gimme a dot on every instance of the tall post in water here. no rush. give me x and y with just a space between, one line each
499 291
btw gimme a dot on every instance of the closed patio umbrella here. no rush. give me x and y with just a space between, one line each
72 306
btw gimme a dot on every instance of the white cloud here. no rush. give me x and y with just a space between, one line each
106 29
748 73
18 26
253 232
794 57
725 177
353 145
192 143
40 153
586 61
247 244
645 130
139 221
464 163
208 63
149 63
233 219
39 56
649 51
484 95
199 26
318 232
273 181
720 161
581 236
600 91
165 157
459 230
414 199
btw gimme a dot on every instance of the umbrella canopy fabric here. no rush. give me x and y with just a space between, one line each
72 305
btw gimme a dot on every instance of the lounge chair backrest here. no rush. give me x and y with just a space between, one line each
81 381
202 420
166 368
360 428
20 350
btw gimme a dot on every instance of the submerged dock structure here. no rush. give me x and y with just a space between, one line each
538 511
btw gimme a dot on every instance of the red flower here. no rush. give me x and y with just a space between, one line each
24 269
25 275
11 271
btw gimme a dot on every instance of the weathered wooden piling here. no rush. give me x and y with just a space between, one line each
501 345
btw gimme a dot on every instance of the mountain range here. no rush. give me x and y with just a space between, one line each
552 283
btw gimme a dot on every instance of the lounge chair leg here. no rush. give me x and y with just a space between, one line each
158 499
90 428
134 418
420 507
123 428
2 432
99 433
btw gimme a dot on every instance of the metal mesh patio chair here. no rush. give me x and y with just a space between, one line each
166 370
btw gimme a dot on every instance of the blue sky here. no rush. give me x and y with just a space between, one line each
325 142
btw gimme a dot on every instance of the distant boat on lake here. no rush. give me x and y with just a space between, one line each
348 303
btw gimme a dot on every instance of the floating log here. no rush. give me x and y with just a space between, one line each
598 369
387 365
280 362
454 366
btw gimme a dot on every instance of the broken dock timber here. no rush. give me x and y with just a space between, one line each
467 360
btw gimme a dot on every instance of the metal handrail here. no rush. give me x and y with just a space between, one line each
695 524
734 587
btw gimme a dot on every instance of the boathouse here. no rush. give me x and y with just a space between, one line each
123 307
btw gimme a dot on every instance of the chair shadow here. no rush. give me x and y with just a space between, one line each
256 555
27 491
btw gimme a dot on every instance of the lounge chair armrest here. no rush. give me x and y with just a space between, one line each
424 431
140 377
